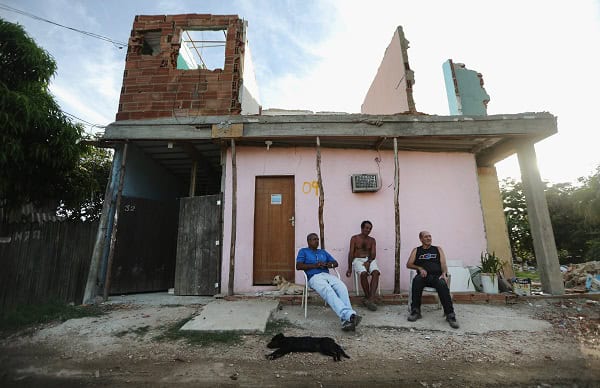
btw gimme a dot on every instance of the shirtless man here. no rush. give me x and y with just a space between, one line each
361 259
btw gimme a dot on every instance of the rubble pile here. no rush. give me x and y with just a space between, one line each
579 318
577 274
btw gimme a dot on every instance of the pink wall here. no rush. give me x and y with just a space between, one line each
389 92
438 192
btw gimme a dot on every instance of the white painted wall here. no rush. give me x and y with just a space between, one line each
250 96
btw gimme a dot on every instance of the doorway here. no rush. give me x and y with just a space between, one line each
274 220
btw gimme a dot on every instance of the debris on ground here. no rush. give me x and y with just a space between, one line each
577 275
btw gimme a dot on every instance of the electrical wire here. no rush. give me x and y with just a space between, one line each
91 125
79 119
116 43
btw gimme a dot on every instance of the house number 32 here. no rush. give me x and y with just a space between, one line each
129 208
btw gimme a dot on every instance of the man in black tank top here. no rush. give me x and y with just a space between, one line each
430 263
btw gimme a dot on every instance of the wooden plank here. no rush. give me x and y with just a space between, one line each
115 223
396 220
233 219
44 262
198 265
321 195
227 131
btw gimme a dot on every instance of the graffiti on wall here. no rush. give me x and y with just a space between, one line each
308 187
27 235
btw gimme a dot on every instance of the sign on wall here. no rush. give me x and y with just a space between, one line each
275 199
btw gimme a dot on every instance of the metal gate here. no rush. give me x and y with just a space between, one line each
145 248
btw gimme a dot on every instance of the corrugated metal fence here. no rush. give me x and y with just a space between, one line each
41 262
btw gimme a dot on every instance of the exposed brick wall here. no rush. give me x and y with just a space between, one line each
153 87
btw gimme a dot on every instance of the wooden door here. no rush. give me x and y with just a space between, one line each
197 271
274 229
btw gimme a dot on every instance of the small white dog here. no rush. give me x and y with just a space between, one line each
287 288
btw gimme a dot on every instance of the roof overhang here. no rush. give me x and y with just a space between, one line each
490 138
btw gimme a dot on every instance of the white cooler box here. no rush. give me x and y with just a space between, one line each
460 277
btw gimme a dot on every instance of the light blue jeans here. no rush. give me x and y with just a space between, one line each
334 292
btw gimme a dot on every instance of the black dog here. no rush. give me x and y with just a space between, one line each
325 345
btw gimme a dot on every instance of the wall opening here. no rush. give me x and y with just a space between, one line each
151 42
202 49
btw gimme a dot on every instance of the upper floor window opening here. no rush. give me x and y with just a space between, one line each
202 49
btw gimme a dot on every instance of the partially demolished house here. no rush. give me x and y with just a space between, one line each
210 194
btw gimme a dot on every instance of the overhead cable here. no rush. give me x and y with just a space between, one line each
117 44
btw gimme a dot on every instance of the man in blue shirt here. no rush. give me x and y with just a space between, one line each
316 263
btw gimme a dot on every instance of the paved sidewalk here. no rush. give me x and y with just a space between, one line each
473 318
251 315
247 316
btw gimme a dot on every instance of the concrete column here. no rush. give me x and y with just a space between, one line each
493 217
539 222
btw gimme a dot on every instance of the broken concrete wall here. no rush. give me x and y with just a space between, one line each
154 87
391 90
464 87
250 97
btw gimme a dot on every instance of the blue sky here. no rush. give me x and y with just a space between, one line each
536 55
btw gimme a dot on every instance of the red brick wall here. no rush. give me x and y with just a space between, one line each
153 87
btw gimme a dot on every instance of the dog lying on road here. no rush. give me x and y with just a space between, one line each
324 345
285 287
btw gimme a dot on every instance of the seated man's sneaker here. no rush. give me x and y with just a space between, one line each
370 305
355 319
348 326
451 318
414 315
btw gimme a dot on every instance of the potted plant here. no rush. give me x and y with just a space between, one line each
490 266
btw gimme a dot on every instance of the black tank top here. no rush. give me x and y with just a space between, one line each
429 259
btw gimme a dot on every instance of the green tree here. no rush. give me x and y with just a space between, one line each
515 211
84 194
570 233
39 146
43 159
574 213
587 198
587 205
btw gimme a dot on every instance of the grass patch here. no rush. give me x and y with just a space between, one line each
534 276
140 331
172 333
26 315
275 326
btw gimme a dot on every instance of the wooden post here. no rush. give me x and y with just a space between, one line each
113 235
233 219
321 195
192 191
396 219
91 287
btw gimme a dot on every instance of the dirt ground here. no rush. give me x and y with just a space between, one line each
121 349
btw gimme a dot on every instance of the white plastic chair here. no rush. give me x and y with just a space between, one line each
356 284
428 290
307 289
